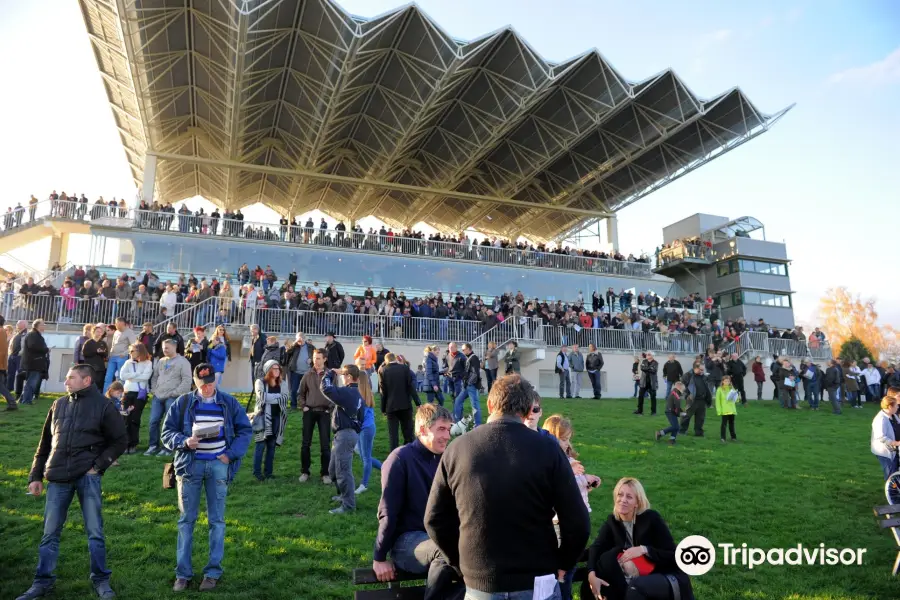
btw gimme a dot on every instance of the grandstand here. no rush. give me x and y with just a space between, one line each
301 106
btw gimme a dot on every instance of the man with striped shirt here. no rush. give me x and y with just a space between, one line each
209 432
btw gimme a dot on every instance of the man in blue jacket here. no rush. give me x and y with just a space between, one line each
209 432
406 478
346 423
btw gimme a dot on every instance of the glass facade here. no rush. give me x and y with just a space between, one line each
134 250
740 297
763 267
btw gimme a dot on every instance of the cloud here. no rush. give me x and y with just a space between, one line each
881 72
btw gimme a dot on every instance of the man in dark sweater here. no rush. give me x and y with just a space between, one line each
346 423
737 370
672 372
700 400
406 478
491 506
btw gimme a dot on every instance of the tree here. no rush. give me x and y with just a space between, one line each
845 317
855 349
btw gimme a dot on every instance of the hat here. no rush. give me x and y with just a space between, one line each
204 373
268 366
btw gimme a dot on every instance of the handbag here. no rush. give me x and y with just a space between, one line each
259 422
169 481
142 392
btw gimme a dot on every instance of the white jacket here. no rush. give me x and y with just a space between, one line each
882 433
136 374
873 377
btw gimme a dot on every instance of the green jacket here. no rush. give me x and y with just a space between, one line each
723 405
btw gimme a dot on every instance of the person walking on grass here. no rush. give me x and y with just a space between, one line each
207 459
648 383
367 433
346 422
727 398
171 379
673 412
272 403
35 361
699 399
82 436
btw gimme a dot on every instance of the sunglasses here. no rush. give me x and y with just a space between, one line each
535 410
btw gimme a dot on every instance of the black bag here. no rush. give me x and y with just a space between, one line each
169 482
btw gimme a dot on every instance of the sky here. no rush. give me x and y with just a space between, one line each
824 179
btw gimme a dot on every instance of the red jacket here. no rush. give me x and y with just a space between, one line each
759 374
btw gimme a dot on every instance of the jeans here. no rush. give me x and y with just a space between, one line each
564 384
295 387
888 465
56 509
340 468
414 552
32 381
4 390
575 377
673 427
311 420
594 376
430 395
759 387
366 441
669 385
874 392
472 594
12 368
112 370
853 398
457 385
158 408
211 475
814 395
268 446
472 392
835 402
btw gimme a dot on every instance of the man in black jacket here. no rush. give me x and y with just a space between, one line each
170 334
346 423
334 352
396 389
649 383
832 383
82 436
488 508
35 361
593 364
471 385
257 347
456 368
700 399
15 358
737 370
672 372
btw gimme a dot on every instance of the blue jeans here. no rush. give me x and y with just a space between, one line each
56 509
472 392
457 386
340 466
874 392
31 385
11 369
888 465
112 370
213 476
430 395
158 409
814 395
520 595
669 385
268 446
366 441
673 427
415 552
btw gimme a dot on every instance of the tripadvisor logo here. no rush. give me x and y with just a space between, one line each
696 555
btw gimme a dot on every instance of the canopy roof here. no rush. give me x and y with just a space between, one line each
300 105
739 226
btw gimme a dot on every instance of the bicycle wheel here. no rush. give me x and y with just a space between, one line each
892 488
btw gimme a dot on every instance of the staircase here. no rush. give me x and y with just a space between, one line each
528 334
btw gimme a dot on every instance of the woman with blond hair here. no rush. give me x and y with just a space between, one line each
884 441
136 373
561 428
367 433
219 352
634 552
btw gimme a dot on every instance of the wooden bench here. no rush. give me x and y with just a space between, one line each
893 523
394 591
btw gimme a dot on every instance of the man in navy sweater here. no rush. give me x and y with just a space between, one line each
346 423
491 506
406 478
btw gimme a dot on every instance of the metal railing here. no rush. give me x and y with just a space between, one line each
29 215
626 340
75 310
682 252
523 329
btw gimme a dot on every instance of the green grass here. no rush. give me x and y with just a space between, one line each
796 477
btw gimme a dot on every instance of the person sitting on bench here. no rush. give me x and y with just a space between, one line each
406 478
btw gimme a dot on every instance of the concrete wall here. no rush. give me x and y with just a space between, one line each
616 373
691 226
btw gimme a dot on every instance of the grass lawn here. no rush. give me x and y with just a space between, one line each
795 477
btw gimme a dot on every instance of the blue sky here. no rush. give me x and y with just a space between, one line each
825 179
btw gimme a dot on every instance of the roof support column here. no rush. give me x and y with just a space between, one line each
149 178
612 231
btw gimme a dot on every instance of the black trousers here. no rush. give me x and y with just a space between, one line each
311 420
729 421
654 586
697 410
133 420
738 383
402 419
652 399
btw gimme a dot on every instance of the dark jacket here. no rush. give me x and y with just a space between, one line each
83 431
179 344
737 370
511 358
473 371
594 361
95 354
35 353
310 392
379 357
406 478
348 404
491 512
715 370
759 373
432 371
199 357
334 355
395 388
697 388
258 347
650 530
832 378
672 371
649 369
289 356
274 352
457 365
15 346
